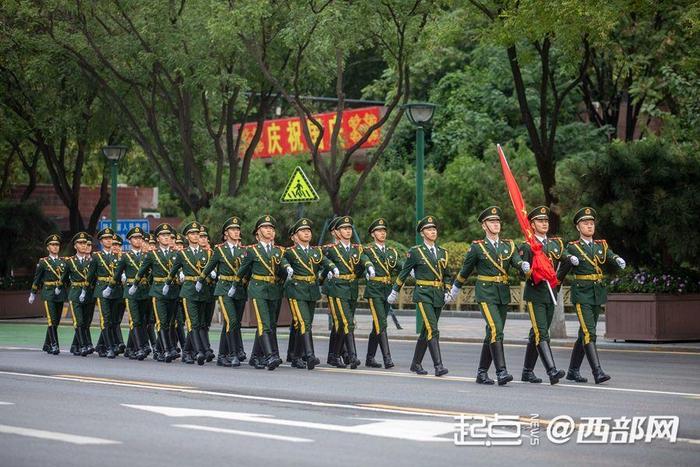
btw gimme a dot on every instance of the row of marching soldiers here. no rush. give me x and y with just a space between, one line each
166 288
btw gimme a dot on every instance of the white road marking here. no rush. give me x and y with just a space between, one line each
7 403
253 434
54 435
410 430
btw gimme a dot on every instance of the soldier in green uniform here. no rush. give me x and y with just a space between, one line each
150 319
263 264
333 359
302 289
225 261
89 299
538 299
177 331
209 284
75 277
117 243
48 282
351 262
490 258
164 300
429 265
588 293
385 261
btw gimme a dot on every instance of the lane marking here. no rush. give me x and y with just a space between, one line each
7 403
127 381
253 434
55 436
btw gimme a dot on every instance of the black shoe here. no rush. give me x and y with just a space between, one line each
102 353
545 352
499 360
384 347
187 358
352 361
529 376
111 354
482 377
418 354
298 363
418 369
436 355
272 361
577 354
372 344
599 376
223 360
575 375
531 355
308 345
370 362
235 362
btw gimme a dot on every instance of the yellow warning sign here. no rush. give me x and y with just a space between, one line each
299 189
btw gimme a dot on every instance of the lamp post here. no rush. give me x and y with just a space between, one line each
114 153
420 114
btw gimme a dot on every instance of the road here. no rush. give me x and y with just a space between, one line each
66 410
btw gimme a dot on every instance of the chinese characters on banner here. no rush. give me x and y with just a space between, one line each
285 136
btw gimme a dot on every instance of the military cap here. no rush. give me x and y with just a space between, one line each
427 221
193 226
179 239
332 223
53 238
135 232
117 239
490 213
89 241
164 229
203 231
343 221
232 223
301 224
263 221
151 238
376 225
80 237
584 214
540 212
106 232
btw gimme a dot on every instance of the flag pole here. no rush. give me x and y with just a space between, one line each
551 292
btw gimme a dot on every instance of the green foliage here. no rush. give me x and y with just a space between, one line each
455 252
23 229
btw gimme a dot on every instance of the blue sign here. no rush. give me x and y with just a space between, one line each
123 226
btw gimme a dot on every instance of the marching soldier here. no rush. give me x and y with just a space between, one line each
385 261
263 264
150 319
48 281
209 285
303 289
117 243
490 258
164 300
75 274
588 293
539 301
333 359
429 265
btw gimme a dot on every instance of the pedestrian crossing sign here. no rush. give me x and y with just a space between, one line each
299 189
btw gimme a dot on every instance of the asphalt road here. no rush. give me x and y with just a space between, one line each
66 410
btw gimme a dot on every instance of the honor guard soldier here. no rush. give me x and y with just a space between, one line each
225 261
209 284
75 274
47 282
326 289
263 264
177 330
429 265
303 288
588 292
164 300
385 261
490 259
117 251
539 300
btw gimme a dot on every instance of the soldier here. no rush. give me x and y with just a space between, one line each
539 300
164 300
303 289
89 299
209 285
263 264
429 265
136 304
386 261
75 274
47 278
117 251
149 319
490 258
333 359
588 293
351 261
178 326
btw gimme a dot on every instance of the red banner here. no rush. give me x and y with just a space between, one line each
285 136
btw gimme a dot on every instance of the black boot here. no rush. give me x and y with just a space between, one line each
88 339
499 361
309 351
529 364
482 375
548 361
257 359
384 346
298 352
138 342
166 355
337 348
291 348
577 354
272 360
224 357
75 345
152 339
421 346
82 341
316 360
240 351
592 354
187 353
109 343
198 344
354 362
53 340
434 347
274 343
332 357
372 351
233 357
208 351
118 338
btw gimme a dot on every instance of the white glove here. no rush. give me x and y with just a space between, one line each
525 267
198 286
81 297
32 297
166 288
413 274
454 291
336 272
448 298
290 272
573 260
371 272
57 290
232 291
181 276
107 292
621 262
132 289
212 274
392 297
329 276
123 278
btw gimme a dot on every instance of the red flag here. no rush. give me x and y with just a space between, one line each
541 267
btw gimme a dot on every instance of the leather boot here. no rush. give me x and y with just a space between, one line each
499 361
384 346
274 343
291 344
352 353
118 338
332 357
109 343
198 346
75 345
152 339
421 346
592 354
548 361
138 339
298 351
233 357
257 359
206 345
316 360
88 339
165 355
577 354
240 351
529 364
482 375
223 346
181 336
372 351
337 348
434 347
53 339
272 360
81 347
309 351
187 354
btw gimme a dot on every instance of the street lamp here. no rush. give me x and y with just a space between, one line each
420 114
114 153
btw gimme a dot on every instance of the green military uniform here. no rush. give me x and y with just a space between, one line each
75 277
47 281
121 303
333 359
429 266
208 286
385 261
178 326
